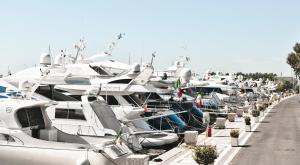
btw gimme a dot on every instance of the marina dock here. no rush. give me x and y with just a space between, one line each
149 83
261 140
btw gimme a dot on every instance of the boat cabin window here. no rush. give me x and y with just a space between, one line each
30 117
6 138
54 94
110 100
99 70
122 81
106 115
149 96
75 114
208 90
133 100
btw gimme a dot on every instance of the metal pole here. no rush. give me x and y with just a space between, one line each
292 77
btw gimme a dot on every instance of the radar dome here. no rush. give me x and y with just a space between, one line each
45 59
185 75
25 86
136 68
58 60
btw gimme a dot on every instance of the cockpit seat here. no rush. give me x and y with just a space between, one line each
48 134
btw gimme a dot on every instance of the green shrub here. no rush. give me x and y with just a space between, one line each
235 133
247 120
205 154
255 113
261 108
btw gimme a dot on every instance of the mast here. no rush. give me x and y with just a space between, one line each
80 47
153 56
129 60
114 44
110 48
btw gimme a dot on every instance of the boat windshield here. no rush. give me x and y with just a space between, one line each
99 70
106 115
31 117
204 90
133 99
150 96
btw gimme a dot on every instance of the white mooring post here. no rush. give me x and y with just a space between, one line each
190 137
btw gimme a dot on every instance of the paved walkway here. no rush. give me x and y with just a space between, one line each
221 139
276 140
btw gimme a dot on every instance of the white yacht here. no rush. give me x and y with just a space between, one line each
98 78
27 136
128 109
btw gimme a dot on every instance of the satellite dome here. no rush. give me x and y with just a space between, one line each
185 75
45 59
136 68
58 60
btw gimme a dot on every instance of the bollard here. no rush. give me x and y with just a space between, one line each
239 112
208 131
190 137
220 122
231 117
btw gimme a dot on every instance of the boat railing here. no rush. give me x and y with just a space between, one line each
15 137
159 107
81 129
12 136
110 88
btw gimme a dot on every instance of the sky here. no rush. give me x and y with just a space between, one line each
228 36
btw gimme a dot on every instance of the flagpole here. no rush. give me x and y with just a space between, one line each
153 56
129 59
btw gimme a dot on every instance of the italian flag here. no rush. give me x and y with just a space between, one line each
119 139
177 86
145 108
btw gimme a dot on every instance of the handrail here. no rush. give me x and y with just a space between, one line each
16 138
79 129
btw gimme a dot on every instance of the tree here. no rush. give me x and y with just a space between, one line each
283 86
257 75
297 89
293 59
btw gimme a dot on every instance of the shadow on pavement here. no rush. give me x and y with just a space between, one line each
222 136
245 146
256 131
272 112
265 122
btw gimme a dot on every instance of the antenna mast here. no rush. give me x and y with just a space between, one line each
114 44
80 47
8 71
49 51
153 56
110 48
129 58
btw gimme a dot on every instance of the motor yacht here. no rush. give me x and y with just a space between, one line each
27 131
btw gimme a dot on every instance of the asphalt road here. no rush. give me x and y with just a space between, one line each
277 139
